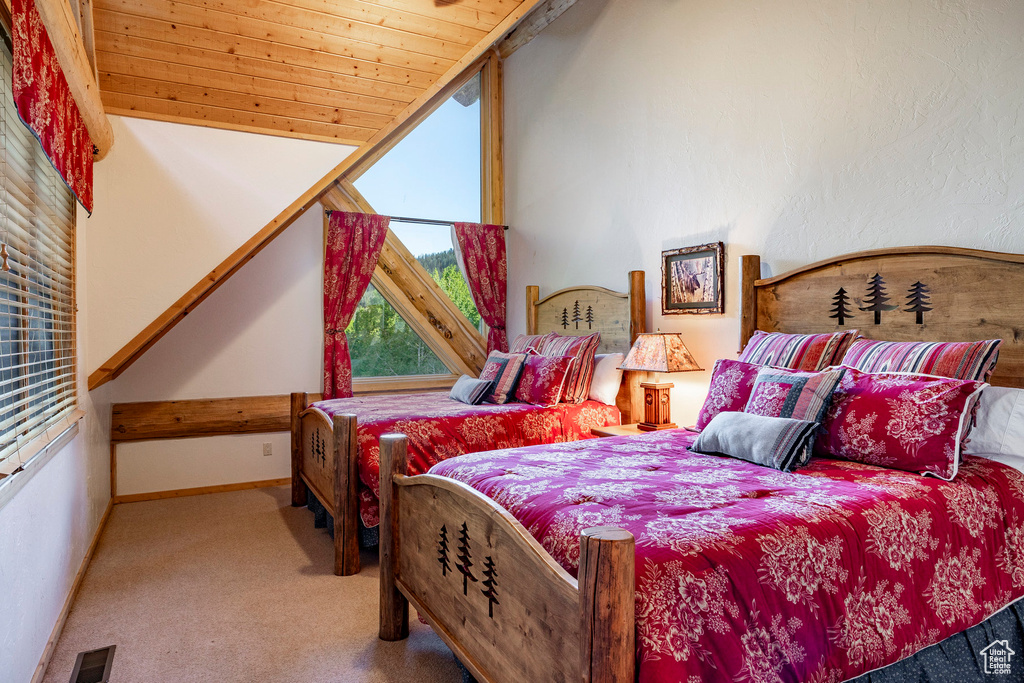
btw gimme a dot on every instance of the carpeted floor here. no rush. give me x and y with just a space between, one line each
235 587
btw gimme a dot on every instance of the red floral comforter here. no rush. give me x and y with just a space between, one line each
745 573
440 428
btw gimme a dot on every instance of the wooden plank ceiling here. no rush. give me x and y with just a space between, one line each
335 70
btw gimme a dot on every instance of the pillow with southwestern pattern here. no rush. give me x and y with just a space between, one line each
961 360
577 385
525 342
789 393
778 442
731 384
910 422
504 370
808 352
543 378
469 390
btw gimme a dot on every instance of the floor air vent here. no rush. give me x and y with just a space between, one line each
93 666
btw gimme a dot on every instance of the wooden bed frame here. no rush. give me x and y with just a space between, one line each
584 631
325 450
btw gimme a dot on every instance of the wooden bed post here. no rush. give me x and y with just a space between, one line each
394 608
750 272
532 297
299 490
607 594
346 496
637 324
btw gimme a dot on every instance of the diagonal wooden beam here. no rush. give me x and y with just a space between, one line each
350 168
530 27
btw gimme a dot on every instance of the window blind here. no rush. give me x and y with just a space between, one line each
38 392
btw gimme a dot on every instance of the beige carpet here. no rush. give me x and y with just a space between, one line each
235 587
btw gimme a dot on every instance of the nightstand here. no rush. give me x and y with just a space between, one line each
617 430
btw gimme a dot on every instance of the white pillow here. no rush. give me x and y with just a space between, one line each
1000 427
607 377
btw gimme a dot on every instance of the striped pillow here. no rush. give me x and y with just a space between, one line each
959 360
504 370
577 384
787 393
523 342
779 442
807 352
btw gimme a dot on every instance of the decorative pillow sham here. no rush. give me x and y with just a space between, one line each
543 379
604 387
731 384
808 352
999 427
524 342
909 422
503 369
960 360
577 385
779 442
470 390
790 393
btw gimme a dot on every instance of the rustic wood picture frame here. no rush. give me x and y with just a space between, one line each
715 303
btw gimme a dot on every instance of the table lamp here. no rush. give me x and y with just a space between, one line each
658 352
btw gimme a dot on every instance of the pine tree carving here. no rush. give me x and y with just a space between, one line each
491 584
918 300
877 300
465 560
840 306
576 317
590 317
565 318
442 552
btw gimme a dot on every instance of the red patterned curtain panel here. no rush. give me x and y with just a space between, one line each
354 241
45 103
482 251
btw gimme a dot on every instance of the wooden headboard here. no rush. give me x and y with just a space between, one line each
934 294
618 316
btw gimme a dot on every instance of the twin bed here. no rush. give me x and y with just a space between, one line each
632 558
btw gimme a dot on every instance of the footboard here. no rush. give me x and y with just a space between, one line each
324 463
500 602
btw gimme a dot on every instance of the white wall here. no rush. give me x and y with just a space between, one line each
172 201
797 129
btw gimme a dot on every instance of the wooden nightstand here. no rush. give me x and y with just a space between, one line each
617 430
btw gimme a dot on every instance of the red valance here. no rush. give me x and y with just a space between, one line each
45 103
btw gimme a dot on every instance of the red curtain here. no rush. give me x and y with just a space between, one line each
482 249
45 103
354 241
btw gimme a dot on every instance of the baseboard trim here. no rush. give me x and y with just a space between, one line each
51 644
202 490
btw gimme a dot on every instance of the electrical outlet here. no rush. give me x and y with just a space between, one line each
268 449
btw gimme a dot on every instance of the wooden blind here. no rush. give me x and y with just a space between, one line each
38 390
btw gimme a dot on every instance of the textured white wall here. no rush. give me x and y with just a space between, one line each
796 129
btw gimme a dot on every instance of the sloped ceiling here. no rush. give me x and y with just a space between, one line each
336 70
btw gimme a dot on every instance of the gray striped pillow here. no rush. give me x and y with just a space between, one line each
779 442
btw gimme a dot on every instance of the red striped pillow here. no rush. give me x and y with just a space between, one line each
524 342
959 360
807 352
503 369
577 384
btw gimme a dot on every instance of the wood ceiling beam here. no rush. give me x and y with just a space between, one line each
538 20
430 99
62 27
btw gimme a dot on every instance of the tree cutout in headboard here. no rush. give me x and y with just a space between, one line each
565 318
918 300
590 317
877 300
840 306
576 317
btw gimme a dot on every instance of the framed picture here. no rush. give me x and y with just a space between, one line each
692 280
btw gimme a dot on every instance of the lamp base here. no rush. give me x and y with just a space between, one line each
648 427
657 413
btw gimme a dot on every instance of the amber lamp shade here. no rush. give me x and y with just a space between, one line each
658 352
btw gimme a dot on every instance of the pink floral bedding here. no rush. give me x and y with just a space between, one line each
745 573
440 428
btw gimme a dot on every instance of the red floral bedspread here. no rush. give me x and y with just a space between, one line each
744 573
440 428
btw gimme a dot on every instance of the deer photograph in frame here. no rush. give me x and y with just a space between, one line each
692 280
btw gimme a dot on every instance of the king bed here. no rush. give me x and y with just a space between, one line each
335 443
634 558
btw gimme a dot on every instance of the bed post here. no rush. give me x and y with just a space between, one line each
299 490
607 594
750 272
532 296
346 496
394 608
637 324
